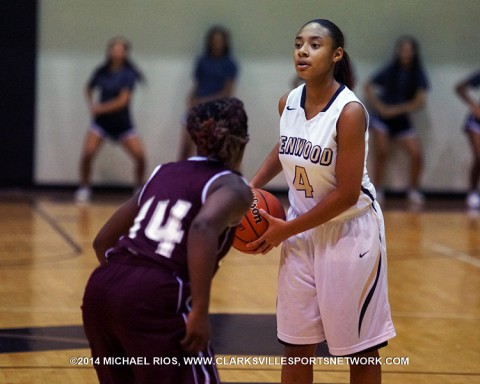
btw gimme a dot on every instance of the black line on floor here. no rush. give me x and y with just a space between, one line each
54 224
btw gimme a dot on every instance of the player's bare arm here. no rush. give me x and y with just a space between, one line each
225 206
271 166
116 226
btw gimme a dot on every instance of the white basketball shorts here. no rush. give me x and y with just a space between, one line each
333 285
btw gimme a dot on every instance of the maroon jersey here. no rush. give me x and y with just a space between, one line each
168 203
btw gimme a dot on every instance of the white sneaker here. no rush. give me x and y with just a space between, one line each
83 195
415 197
473 200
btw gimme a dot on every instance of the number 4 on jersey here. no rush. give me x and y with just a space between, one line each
301 183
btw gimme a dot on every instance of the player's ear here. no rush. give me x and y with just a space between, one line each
338 54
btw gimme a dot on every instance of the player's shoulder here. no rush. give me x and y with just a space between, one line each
349 100
292 98
384 73
347 95
198 169
231 179
127 75
232 182
353 109
282 103
474 79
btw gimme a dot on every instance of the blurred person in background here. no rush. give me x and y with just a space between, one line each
111 118
214 77
472 130
394 93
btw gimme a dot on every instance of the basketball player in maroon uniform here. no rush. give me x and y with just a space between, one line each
145 307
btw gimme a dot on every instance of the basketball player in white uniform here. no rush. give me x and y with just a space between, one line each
333 278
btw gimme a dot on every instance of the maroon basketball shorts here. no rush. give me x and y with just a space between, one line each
134 315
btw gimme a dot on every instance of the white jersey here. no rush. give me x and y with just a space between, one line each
308 152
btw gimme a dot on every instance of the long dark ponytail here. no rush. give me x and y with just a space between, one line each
343 72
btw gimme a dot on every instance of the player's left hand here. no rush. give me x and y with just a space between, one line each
272 237
197 333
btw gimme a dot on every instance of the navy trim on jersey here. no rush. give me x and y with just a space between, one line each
337 92
368 193
340 89
371 349
369 297
304 97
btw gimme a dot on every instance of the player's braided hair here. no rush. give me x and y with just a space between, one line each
219 128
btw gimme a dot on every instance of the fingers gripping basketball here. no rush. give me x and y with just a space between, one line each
253 225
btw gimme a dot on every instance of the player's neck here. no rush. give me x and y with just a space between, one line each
318 95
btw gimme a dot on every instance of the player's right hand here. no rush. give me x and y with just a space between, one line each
273 236
197 333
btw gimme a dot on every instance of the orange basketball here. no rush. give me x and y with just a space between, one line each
253 225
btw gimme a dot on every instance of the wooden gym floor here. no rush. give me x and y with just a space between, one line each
46 258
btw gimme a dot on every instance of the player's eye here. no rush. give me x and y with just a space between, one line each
298 45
